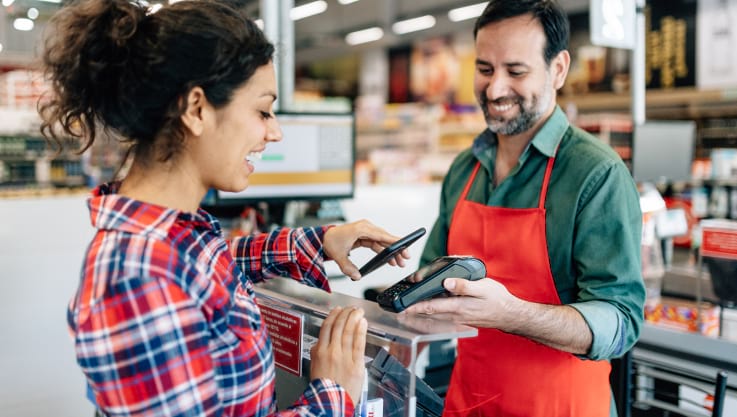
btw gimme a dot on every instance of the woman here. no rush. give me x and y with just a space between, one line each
164 320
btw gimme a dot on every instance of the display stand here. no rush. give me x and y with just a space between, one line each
718 251
294 313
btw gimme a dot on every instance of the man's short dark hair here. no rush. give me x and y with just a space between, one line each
548 12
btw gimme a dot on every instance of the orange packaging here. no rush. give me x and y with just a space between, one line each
683 315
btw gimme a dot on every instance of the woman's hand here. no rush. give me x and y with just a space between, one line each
339 351
339 240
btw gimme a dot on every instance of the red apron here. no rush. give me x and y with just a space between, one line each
500 374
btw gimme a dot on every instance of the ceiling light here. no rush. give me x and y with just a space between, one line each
32 13
7 3
365 35
413 25
347 1
308 9
52 1
23 24
467 12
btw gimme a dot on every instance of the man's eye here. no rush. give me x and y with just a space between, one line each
266 115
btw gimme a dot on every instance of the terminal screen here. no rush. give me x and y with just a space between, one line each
314 160
662 151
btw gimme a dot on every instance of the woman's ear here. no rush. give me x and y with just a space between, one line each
193 116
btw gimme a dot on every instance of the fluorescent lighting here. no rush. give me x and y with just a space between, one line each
413 25
7 3
52 1
308 9
23 24
364 36
468 12
347 1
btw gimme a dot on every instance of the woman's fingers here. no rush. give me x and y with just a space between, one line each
326 329
359 339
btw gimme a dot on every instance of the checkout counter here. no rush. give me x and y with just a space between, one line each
293 314
691 314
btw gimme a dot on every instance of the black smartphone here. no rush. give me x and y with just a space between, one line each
427 282
391 251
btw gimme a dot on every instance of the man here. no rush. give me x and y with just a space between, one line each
555 216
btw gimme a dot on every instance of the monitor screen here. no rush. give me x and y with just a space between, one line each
662 151
313 161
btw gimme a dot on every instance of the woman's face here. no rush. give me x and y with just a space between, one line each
239 132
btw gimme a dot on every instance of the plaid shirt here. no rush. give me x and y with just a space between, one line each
164 320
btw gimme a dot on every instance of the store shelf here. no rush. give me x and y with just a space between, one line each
689 103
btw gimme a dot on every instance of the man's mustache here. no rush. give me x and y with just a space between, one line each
499 101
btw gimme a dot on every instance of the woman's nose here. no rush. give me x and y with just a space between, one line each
274 134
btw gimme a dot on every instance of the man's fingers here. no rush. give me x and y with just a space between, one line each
436 306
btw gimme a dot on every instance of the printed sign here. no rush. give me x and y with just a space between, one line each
285 329
719 243
613 23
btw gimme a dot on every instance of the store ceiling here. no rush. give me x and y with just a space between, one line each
322 36
317 37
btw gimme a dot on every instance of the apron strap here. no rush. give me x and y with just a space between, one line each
546 181
470 181
543 191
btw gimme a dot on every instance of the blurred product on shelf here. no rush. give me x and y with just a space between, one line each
29 167
411 142
684 315
21 88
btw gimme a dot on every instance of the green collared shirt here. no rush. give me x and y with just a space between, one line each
593 223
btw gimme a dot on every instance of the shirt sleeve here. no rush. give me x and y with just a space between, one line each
322 397
295 253
606 253
145 351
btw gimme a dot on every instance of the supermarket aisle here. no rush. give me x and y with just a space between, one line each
41 244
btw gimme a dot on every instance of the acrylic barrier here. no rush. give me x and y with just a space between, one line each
293 314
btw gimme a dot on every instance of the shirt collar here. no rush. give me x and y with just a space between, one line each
549 136
111 211
546 140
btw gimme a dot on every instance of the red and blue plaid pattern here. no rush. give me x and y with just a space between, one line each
164 320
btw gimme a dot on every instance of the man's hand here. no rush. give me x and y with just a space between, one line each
482 303
488 303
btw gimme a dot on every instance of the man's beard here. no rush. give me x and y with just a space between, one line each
528 114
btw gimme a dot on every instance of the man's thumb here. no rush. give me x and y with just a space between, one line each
453 285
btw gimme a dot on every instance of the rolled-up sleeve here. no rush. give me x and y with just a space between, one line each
607 253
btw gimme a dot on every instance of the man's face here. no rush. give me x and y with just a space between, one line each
512 82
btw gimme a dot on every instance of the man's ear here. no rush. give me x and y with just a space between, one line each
193 116
560 65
